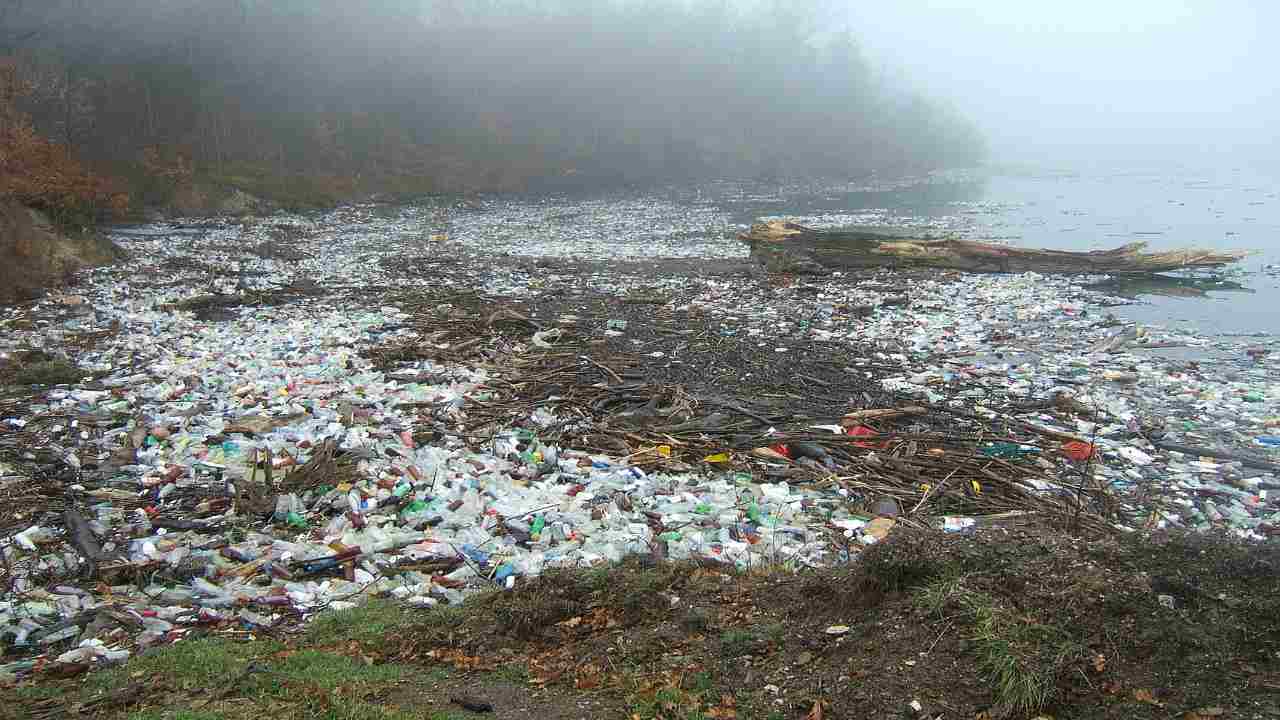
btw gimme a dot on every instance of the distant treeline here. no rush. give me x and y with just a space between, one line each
334 97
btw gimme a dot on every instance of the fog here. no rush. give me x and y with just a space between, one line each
487 95
1092 82
507 94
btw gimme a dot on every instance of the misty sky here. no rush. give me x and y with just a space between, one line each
1093 81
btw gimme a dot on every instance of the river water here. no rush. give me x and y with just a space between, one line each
1060 210
1090 211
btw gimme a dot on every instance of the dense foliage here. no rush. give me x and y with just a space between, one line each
454 94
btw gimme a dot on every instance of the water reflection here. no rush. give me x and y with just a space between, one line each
1131 287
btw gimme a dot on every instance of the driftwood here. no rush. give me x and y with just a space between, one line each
1245 460
781 244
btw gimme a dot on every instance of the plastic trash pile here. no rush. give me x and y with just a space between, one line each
186 419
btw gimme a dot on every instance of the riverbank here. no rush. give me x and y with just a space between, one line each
280 417
36 256
1012 622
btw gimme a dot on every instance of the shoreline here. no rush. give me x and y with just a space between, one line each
466 395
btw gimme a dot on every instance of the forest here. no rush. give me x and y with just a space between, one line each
113 105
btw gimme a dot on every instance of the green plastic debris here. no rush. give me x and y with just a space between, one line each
1005 450
535 530
293 519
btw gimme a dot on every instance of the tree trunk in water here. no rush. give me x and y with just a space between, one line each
786 246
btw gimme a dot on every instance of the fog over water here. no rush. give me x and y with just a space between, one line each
1093 82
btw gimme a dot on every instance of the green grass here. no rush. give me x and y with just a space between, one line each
49 372
33 693
1021 658
934 596
513 672
178 715
665 704
189 665
735 643
236 679
375 622
775 632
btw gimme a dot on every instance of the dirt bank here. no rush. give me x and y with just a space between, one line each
35 256
1014 622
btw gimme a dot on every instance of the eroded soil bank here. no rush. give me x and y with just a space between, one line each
35 256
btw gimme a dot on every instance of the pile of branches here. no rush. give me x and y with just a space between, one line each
933 459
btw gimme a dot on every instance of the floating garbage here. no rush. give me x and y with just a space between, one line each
303 434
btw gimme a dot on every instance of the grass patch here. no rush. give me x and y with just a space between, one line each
235 679
666 704
47 372
196 664
630 589
1021 658
178 715
933 597
736 643
374 622
513 672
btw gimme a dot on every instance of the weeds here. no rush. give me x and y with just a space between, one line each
1020 658
696 620
374 622
933 597
513 672
48 372
735 643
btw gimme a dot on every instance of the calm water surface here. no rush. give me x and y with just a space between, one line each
1089 211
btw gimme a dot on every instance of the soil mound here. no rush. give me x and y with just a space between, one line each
35 256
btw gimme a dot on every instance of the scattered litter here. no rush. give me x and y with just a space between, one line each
260 439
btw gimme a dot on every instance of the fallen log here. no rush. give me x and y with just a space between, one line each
781 245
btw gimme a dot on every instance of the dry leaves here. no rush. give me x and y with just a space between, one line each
1143 695
727 710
